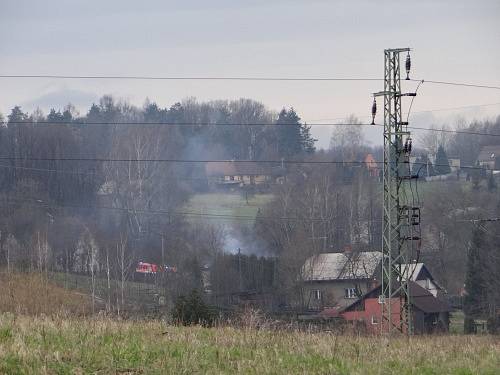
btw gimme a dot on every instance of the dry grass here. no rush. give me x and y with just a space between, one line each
33 294
102 346
42 334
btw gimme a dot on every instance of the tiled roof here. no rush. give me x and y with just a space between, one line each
341 266
420 297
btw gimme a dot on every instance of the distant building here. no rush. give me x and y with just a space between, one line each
371 165
242 173
489 157
420 274
454 164
412 159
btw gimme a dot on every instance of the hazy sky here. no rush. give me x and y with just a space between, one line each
452 40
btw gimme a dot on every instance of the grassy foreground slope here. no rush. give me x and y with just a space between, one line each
66 346
34 294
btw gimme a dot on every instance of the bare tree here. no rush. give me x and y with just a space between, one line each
432 139
12 250
89 249
108 278
346 140
125 261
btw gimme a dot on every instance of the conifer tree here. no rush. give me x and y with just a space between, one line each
442 163
292 136
475 283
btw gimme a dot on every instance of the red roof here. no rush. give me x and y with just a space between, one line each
420 297
370 161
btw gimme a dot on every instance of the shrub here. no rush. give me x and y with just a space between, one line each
493 324
191 309
469 325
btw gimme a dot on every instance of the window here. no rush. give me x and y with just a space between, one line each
351 293
375 319
316 294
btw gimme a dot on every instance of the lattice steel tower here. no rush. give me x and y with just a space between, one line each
401 215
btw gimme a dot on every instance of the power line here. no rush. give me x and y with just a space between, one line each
96 174
457 108
47 170
92 174
460 84
186 161
479 220
41 204
185 78
207 161
209 124
226 78
454 131
166 123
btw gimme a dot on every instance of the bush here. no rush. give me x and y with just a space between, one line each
493 324
192 310
469 325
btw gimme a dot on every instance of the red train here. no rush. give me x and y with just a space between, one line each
151 268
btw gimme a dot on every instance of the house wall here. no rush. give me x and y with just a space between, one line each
371 315
488 164
232 178
429 285
255 180
332 292
247 179
454 164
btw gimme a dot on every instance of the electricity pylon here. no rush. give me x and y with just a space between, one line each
401 216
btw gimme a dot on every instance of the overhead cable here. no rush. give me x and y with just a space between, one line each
42 204
226 78
194 161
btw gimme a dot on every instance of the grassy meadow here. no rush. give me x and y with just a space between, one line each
52 345
236 204
46 329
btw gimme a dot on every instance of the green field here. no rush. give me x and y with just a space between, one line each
101 346
233 204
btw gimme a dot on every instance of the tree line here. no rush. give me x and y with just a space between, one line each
96 217
52 220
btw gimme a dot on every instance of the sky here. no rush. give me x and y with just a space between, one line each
451 40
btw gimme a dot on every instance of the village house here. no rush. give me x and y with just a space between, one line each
455 164
489 157
420 274
336 280
428 313
242 173
371 165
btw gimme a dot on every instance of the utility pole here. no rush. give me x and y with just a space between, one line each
401 215
239 271
162 250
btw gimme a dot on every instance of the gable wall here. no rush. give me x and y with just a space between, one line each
333 292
